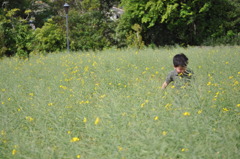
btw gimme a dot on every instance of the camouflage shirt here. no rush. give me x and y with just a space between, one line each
179 79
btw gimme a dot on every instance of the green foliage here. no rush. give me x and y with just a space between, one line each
180 22
134 39
16 34
91 30
49 38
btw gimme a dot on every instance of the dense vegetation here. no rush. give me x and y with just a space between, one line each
143 23
110 105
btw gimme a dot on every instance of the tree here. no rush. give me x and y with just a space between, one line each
176 21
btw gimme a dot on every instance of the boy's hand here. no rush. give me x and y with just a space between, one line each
164 85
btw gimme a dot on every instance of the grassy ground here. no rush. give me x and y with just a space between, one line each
110 105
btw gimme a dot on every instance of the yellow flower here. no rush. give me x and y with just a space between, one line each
199 112
50 104
164 133
3 132
230 77
84 119
31 94
75 139
103 96
120 148
226 63
156 118
238 105
29 118
69 132
78 156
225 109
173 86
97 121
209 83
186 114
184 149
14 151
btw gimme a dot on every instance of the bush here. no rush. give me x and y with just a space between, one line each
90 31
49 38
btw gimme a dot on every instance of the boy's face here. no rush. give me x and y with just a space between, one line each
180 69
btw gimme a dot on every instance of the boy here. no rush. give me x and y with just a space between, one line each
181 75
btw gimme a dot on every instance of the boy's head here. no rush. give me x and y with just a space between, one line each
180 62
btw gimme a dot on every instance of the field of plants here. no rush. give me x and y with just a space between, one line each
110 105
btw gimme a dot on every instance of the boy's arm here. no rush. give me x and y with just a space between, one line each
164 85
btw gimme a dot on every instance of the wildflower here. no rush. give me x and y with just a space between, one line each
184 149
236 83
31 94
199 112
156 118
84 119
78 156
50 104
225 109
14 151
97 121
209 83
29 118
63 87
230 77
238 105
226 62
173 86
186 114
120 148
75 139
69 132
3 132
103 96
164 133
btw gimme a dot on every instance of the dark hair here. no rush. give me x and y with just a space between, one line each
180 60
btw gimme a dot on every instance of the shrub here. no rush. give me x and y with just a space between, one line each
49 38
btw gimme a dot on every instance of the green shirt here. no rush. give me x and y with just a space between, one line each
181 79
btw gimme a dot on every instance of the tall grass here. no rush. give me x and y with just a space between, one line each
110 104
